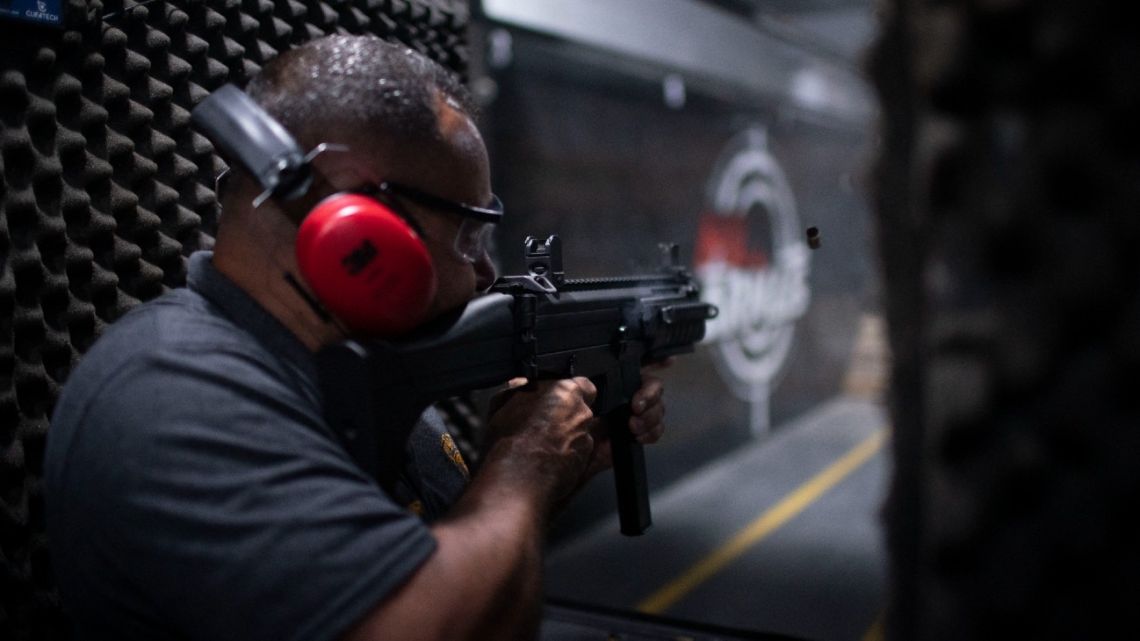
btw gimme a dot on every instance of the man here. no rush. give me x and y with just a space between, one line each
193 489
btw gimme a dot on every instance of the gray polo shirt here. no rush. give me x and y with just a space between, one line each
193 490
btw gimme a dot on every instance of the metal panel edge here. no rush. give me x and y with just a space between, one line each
695 38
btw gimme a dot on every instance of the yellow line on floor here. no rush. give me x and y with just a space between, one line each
765 524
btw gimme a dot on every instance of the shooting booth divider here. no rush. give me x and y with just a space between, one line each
106 189
1007 187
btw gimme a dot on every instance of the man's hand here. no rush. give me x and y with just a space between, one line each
646 420
541 434
589 438
647 409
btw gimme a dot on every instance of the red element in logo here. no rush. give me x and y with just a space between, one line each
724 238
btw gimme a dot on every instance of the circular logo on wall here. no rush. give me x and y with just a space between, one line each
753 265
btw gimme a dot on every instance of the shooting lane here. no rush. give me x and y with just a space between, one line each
731 132
731 139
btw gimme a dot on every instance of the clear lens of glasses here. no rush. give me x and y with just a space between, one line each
471 241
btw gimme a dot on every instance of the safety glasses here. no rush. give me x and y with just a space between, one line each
474 232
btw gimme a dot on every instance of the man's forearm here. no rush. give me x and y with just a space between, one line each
484 579
507 528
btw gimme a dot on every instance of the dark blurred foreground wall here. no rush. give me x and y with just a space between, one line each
1008 189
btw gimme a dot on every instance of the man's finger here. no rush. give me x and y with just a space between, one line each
652 417
589 390
652 435
648 431
652 389
501 397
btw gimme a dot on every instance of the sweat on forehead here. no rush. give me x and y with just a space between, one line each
357 84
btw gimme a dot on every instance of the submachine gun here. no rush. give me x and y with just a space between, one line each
540 325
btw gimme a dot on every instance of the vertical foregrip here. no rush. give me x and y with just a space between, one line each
629 474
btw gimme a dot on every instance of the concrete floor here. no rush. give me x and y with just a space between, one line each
783 536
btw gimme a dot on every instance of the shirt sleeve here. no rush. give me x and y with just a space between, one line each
223 499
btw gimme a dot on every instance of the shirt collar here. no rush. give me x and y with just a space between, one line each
245 312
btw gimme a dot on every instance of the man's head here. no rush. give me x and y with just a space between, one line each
404 120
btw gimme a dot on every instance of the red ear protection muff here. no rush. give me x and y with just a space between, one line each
366 264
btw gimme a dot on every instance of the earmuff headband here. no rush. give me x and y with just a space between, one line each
243 131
